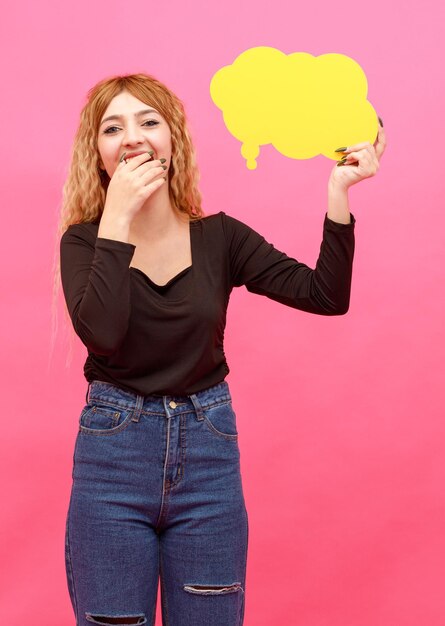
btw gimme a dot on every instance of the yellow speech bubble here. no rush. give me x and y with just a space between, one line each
301 104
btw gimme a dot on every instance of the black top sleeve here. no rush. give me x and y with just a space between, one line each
96 283
264 270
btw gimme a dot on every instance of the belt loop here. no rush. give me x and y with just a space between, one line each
198 408
138 408
87 396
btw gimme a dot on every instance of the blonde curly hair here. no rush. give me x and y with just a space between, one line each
85 188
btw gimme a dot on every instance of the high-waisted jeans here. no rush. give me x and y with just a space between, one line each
157 495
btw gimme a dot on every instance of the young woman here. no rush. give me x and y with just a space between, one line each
157 490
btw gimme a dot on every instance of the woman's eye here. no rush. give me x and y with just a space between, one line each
110 128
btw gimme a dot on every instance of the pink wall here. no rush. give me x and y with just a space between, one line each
340 418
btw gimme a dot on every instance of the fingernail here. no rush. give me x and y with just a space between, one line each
151 152
381 122
122 157
344 158
164 167
342 163
163 160
341 149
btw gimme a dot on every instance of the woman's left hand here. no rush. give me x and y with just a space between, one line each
362 161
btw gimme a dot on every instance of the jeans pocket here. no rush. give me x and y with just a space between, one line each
101 418
220 420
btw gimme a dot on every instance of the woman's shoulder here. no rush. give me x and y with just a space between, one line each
206 218
221 217
217 223
85 231
224 223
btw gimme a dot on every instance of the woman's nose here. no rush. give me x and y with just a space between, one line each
133 134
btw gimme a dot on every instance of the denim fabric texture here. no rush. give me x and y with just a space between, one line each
157 498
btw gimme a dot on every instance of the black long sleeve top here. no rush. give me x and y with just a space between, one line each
169 339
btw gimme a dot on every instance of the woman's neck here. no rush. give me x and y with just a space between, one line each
156 221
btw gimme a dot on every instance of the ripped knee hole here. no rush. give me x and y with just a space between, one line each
213 589
115 621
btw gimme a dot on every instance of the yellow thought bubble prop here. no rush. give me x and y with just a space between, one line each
301 104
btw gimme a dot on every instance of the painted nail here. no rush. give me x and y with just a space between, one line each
122 157
163 160
344 158
151 152
381 122
342 163
164 167
341 149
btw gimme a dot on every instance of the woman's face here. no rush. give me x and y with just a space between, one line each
132 131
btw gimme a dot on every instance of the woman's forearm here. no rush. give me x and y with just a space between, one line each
338 204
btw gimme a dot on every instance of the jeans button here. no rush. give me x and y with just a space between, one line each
172 404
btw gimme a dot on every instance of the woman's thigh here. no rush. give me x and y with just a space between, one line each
112 547
204 537
112 564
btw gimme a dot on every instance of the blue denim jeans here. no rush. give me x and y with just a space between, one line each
157 496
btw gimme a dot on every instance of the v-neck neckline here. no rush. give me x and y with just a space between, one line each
183 271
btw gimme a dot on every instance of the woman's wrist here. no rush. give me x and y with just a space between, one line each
338 204
114 227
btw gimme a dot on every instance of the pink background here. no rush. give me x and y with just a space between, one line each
340 418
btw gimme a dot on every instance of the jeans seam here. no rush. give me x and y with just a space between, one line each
243 599
70 564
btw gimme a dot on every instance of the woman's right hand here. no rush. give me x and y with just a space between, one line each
132 183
